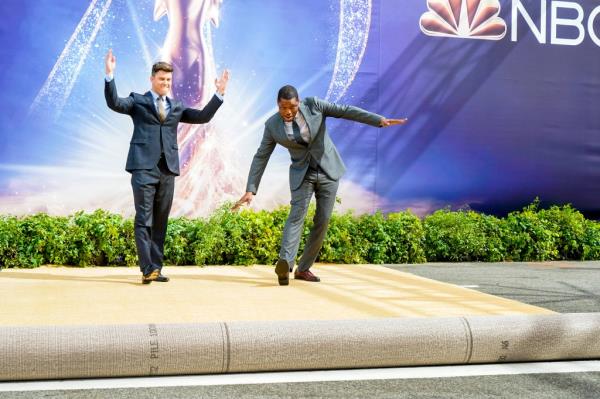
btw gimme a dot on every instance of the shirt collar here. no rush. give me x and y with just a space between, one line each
298 118
155 95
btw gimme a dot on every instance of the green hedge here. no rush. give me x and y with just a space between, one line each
250 237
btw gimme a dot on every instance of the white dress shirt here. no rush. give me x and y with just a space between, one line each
304 132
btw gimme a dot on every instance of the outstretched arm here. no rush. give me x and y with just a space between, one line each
355 114
196 116
114 102
259 164
191 115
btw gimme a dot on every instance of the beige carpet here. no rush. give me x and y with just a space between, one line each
58 323
103 296
174 349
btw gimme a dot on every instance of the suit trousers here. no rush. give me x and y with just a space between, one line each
325 190
153 196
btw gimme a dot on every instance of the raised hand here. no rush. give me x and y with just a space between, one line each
385 122
221 83
110 62
246 199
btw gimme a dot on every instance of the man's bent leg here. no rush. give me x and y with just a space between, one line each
292 231
325 192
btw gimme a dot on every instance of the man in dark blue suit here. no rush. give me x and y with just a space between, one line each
153 158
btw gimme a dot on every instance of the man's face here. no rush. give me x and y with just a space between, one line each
161 82
288 108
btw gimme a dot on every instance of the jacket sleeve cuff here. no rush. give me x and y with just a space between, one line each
251 188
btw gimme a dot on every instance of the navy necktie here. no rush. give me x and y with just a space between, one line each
297 135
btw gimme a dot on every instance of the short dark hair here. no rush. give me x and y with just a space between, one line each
287 92
161 66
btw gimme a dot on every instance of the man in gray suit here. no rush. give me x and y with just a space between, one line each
153 158
316 168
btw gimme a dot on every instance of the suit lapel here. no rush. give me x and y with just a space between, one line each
283 137
281 130
173 104
303 109
150 102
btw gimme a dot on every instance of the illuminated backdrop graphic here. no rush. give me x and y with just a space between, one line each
502 98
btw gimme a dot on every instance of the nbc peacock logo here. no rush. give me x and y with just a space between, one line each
467 19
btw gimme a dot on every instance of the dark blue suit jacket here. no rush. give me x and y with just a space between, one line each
144 148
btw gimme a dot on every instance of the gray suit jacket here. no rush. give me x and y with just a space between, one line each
321 147
144 148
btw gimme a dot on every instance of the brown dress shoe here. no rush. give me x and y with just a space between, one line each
150 277
282 269
161 279
306 276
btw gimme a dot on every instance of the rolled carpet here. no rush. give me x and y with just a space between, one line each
61 352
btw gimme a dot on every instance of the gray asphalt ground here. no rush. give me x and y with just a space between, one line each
564 287
538 386
559 286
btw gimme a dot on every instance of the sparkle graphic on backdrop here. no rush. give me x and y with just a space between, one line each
88 172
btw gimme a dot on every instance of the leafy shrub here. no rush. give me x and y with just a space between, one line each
530 236
463 236
253 237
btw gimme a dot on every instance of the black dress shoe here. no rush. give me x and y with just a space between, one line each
282 269
161 279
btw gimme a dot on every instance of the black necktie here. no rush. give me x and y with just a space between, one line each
297 135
